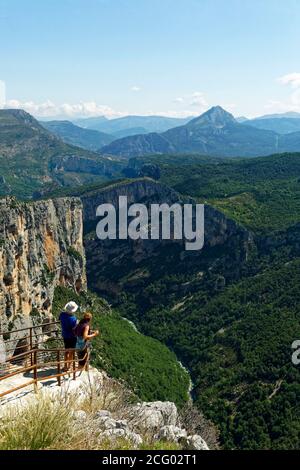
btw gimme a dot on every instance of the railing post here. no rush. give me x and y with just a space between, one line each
58 369
30 338
74 365
30 345
35 374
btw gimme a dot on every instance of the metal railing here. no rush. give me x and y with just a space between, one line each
31 338
39 364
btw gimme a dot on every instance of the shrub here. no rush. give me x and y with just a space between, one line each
39 425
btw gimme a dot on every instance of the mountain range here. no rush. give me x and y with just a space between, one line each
216 133
229 312
99 132
71 134
281 125
289 114
129 125
37 157
32 159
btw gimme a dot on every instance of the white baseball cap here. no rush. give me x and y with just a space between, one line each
71 307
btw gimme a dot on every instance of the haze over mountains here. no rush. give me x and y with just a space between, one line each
283 125
71 134
215 133
95 133
37 157
129 125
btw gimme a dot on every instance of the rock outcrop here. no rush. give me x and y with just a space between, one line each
40 248
97 409
81 164
227 245
139 190
153 416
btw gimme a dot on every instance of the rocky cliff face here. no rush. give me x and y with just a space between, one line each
115 266
140 190
40 248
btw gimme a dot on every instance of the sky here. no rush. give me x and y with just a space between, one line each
74 58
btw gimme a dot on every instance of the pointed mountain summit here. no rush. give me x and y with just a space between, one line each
216 116
216 132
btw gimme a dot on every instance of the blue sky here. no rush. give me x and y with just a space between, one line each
172 57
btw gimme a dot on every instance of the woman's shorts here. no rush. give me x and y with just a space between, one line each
70 343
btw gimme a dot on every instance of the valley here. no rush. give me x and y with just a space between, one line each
238 299
150 229
229 312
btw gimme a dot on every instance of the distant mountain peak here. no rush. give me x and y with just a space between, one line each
13 117
216 116
18 114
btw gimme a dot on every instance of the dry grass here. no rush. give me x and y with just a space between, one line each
48 424
47 421
107 394
38 425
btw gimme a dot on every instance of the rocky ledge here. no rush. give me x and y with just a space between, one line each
105 411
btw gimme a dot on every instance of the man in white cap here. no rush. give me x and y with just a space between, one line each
68 322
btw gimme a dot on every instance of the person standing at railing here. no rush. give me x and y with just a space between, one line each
68 322
84 336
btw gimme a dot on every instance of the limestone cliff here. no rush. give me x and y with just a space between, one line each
40 248
218 227
139 190
116 266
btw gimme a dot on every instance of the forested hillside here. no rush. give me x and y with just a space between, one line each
240 355
230 319
33 161
262 194
143 363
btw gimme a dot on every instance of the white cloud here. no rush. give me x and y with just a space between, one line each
50 109
196 100
179 100
171 113
292 103
135 88
292 79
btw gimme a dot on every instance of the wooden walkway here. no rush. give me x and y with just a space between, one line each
30 360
